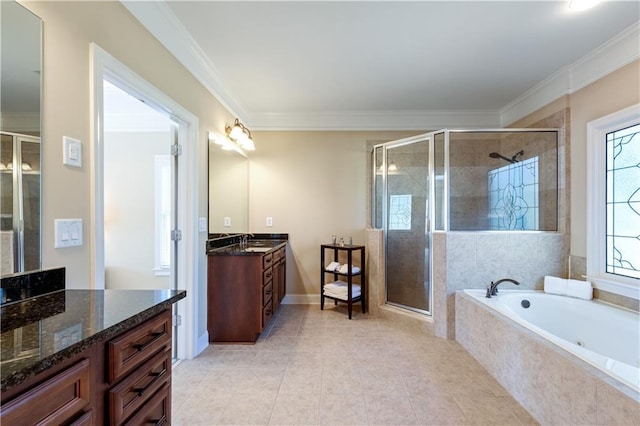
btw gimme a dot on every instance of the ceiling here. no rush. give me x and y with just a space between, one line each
330 64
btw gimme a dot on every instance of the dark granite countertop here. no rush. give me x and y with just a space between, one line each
258 244
42 331
251 250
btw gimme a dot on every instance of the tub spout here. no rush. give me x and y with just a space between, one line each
493 289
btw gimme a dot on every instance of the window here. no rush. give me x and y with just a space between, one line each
513 196
613 202
400 212
623 202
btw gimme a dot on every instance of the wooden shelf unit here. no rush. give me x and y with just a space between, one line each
350 250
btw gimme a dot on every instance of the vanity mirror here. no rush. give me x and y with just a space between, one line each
20 106
228 191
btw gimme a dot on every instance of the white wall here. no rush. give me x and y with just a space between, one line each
129 176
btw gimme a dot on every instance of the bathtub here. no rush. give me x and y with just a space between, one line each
566 361
603 335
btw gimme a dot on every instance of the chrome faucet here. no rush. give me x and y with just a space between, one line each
492 290
244 241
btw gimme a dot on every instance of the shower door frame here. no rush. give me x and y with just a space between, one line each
428 138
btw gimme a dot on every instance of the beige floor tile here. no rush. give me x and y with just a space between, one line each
296 409
488 410
317 367
386 409
343 409
437 409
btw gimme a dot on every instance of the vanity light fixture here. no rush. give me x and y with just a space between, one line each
239 134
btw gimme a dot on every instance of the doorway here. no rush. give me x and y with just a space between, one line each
176 180
402 211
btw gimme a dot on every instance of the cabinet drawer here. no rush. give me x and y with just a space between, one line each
266 260
133 348
267 291
59 400
84 420
279 254
136 389
267 274
267 313
157 411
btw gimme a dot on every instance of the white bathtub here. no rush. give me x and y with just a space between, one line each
600 334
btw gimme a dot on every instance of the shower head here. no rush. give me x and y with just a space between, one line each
496 155
513 159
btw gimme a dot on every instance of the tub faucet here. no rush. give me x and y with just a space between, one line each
492 290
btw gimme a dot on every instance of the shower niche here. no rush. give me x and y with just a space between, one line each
458 180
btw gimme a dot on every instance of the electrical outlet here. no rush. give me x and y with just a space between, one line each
202 224
227 221
269 221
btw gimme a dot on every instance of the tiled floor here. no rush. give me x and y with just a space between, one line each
316 367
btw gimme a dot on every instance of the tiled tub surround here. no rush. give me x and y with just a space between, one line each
577 271
555 386
474 259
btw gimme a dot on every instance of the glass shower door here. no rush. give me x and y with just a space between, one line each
407 225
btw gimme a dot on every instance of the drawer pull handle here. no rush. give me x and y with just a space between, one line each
269 275
156 376
268 291
160 422
142 346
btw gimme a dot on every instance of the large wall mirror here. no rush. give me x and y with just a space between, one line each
228 191
20 106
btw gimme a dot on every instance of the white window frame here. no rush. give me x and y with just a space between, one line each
596 203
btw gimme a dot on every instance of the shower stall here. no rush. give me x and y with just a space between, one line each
457 180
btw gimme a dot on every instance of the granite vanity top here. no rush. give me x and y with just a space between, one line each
41 331
258 244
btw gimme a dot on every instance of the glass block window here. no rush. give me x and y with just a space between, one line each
513 196
400 212
623 202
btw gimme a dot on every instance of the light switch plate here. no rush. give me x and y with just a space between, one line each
72 149
68 233
202 224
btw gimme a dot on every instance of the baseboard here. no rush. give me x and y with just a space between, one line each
203 342
301 299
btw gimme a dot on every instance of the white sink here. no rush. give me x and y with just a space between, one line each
258 249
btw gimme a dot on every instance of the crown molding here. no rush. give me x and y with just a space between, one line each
162 23
610 56
367 120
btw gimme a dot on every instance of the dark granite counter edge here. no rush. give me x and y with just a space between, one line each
104 335
232 250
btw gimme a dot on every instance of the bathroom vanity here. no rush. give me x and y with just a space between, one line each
88 357
245 285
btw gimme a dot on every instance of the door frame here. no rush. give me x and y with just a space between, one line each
429 228
104 65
